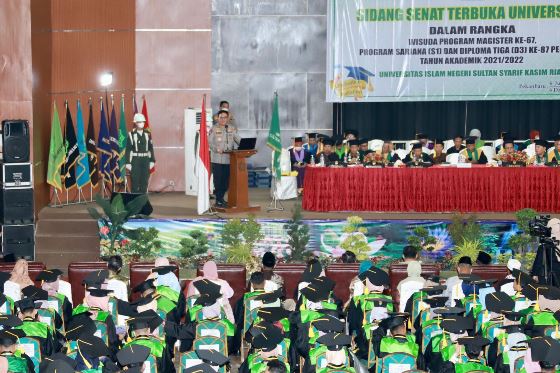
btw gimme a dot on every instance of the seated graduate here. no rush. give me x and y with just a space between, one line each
472 154
149 294
91 353
411 284
554 151
454 284
336 349
387 152
50 282
140 329
417 155
19 278
32 327
544 357
541 157
364 147
117 282
439 155
354 156
457 145
132 358
267 345
328 155
273 281
167 283
16 362
474 350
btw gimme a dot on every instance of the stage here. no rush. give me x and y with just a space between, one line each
69 234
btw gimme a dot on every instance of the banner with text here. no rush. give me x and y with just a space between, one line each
406 50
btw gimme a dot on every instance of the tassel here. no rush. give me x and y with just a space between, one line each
537 307
443 341
311 332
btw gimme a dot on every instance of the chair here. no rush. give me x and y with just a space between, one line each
489 152
452 158
403 361
530 150
402 153
236 277
47 316
291 273
209 328
322 360
342 274
139 271
77 271
150 365
32 348
375 144
448 144
210 343
429 331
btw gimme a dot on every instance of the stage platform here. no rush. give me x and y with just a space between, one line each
69 234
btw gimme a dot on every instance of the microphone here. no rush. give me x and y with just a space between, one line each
227 144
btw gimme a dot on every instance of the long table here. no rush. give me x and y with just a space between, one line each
435 189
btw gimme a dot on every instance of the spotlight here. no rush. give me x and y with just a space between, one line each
106 79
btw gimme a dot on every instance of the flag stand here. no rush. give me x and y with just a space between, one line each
80 195
56 198
275 204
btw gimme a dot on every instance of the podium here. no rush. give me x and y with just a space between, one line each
238 192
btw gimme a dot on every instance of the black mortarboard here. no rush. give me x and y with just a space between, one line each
78 325
350 132
353 142
59 356
438 141
163 270
465 260
9 337
147 319
317 291
421 135
552 293
200 368
298 139
483 258
376 276
364 141
133 354
96 278
35 293
312 135
335 341
417 146
513 316
394 320
143 286
273 314
329 324
557 137
338 140
58 366
499 302
92 346
542 143
270 297
470 140
27 304
205 286
532 290
312 271
436 302
379 302
545 349
212 357
4 276
477 281
448 310
508 140
434 289
99 293
457 324
268 338
473 344
206 300
10 321
517 328
48 275
328 141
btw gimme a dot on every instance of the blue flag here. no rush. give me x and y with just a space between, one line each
104 146
115 148
82 166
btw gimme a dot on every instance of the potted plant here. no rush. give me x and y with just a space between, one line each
422 241
522 244
239 238
298 236
194 249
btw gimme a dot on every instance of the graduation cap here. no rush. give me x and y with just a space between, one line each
92 346
48 275
394 320
298 139
207 287
434 289
59 356
312 271
318 290
470 140
438 141
143 286
99 293
483 258
417 146
457 324
200 368
436 302
338 140
499 302
376 276
533 290
59 366
78 325
273 314
328 141
448 310
421 136
10 337
350 132
379 301
270 297
552 293
516 328
312 135
212 357
206 300
353 142
335 341
545 349
364 141
329 324
358 73
266 339
542 143
147 319
96 278
10 321
163 270
35 293
508 140
473 344
133 355
513 315
27 304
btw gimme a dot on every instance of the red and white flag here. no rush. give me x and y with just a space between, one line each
203 164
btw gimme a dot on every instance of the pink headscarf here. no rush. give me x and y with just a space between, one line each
97 302
3 365
50 287
161 261
20 274
210 270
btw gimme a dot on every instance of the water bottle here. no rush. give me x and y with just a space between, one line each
345 158
312 160
322 161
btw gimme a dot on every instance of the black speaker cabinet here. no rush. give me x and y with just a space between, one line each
18 241
127 197
16 206
15 136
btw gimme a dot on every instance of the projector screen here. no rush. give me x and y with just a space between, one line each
406 50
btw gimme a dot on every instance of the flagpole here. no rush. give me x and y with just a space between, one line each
112 171
123 176
67 196
103 193
211 211
275 204
90 105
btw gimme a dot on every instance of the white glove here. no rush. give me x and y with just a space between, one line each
152 164
129 167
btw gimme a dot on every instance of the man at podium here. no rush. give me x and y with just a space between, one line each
222 138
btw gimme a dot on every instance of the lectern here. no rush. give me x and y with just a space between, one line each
238 192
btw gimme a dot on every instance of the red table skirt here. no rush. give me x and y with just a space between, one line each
435 189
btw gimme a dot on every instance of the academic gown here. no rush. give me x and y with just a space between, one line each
425 158
165 362
296 166
330 159
49 344
453 150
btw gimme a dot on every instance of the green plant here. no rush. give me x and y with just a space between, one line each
462 230
239 238
421 240
355 240
467 248
144 244
523 244
298 234
194 245
115 215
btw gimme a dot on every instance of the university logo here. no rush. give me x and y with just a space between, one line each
352 81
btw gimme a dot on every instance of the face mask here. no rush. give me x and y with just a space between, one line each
140 125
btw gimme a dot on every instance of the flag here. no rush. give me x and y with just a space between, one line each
203 164
56 152
71 145
92 149
122 139
134 106
115 151
147 124
104 146
82 167
274 140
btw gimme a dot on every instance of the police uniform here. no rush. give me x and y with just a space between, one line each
139 154
221 140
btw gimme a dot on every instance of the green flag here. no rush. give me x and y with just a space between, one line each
122 139
56 152
274 139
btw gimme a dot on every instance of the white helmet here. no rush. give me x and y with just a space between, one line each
139 117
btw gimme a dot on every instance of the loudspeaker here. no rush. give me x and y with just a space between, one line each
18 241
15 135
16 206
127 197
